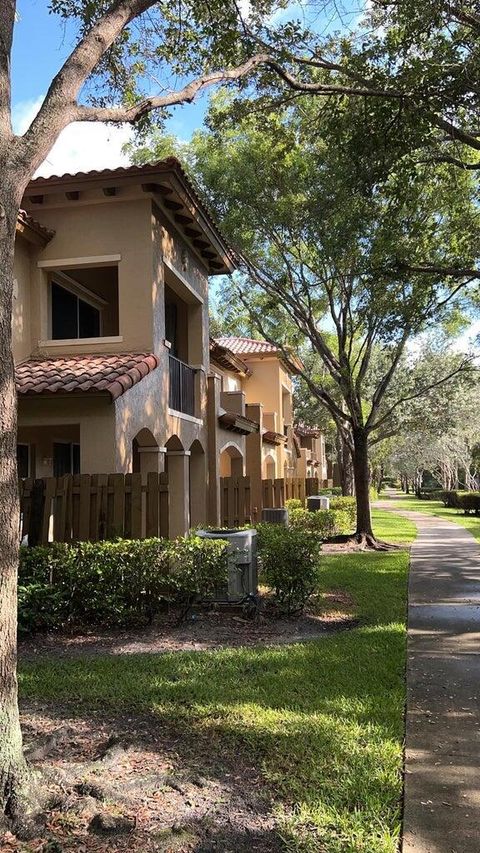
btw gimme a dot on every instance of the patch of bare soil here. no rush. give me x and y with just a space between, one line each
203 629
347 547
148 788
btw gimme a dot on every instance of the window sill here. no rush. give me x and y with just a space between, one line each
174 414
80 342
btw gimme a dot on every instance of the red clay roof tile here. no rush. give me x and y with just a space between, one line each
242 346
114 374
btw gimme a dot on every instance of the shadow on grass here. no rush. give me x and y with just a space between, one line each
321 722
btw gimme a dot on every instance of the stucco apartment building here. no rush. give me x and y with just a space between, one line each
115 369
253 392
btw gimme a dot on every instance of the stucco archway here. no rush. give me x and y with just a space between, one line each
146 454
231 461
270 467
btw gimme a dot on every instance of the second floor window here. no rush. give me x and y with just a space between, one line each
72 316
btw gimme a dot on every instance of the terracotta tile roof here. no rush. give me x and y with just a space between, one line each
242 346
113 374
271 437
24 218
249 346
224 357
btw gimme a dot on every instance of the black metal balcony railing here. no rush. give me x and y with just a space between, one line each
182 386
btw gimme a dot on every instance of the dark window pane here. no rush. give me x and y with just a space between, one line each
171 326
89 320
75 459
62 459
23 460
64 313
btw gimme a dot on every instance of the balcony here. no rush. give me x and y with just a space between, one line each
181 395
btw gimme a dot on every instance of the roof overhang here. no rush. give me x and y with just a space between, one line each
170 188
237 423
33 231
223 357
277 438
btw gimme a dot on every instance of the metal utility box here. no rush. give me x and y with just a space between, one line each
242 563
315 502
275 515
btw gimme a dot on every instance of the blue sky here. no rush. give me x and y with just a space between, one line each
41 44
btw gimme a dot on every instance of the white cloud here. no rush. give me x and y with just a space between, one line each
82 146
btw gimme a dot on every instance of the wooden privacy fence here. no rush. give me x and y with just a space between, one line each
312 486
235 501
93 507
235 497
276 492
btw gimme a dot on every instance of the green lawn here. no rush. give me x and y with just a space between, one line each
322 721
393 528
410 502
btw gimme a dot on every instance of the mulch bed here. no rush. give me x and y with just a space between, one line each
149 788
203 629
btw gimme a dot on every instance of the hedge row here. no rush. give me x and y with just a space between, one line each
337 520
69 587
469 502
122 583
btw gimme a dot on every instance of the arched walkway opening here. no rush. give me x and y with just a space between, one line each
270 467
231 462
198 485
146 454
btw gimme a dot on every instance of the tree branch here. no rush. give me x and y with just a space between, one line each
454 161
450 272
385 382
454 132
299 85
464 365
181 96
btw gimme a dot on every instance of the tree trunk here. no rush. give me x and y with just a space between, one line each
345 467
14 776
364 532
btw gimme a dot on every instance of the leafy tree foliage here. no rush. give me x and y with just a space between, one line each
339 255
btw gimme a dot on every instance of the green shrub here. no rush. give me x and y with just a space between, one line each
431 495
348 505
63 586
450 499
334 490
469 502
197 568
293 503
325 523
322 521
289 558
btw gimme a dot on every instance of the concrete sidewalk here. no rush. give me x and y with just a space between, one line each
442 769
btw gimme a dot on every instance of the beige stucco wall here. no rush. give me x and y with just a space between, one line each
25 258
271 385
99 230
151 252
95 418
